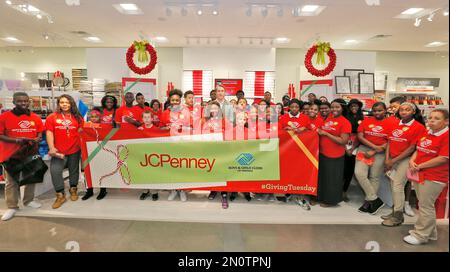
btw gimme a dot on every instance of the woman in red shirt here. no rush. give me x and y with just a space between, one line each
63 140
430 162
155 109
373 136
402 143
334 135
315 121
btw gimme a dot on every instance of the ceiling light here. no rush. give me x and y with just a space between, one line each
39 16
435 44
8 2
129 7
264 11
11 40
215 12
282 40
184 11
168 12
430 17
445 12
351 41
248 12
309 8
46 36
199 12
412 11
161 39
92 39
32 8
280 12
417 22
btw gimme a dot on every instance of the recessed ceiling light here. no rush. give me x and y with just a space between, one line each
351 41
32 8
199 12
161 39
412 11
39 16
435 44
282 40
11 40
445 12
92 39
309 8
8 2
129 7
215 12
417 22
430 17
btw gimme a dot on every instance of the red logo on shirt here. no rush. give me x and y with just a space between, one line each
24 124
397 132
377 129
426 143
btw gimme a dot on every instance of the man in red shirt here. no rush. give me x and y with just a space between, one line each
268 98
129 116
23 128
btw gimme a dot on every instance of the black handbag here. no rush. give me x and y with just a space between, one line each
28 171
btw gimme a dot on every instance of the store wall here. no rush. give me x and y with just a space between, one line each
40 60
229 62
170 69
416 64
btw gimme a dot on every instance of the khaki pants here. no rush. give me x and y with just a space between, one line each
369 176
12 192
427 193
398 182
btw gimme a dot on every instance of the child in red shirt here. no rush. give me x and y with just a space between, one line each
315 121
430 162
148 127
402 141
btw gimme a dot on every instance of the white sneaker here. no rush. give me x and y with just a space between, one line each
408 210
304 204
183 196
34 204
172 195
412 240
9 214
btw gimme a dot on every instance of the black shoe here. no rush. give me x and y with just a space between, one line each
144 195
212 195
102 194
155 197
365 207
88 194
247 196
375 206
233 196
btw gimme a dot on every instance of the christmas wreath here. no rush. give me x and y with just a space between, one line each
143 48
321 49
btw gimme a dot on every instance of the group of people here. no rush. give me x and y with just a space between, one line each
392 141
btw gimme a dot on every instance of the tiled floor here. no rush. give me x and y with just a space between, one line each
58 234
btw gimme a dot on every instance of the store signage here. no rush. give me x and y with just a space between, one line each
231 85
410 81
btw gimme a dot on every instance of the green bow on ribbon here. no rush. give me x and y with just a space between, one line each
141 49
322 49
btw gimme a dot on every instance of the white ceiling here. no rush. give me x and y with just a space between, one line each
341 20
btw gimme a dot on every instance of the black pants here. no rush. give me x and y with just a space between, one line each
349 170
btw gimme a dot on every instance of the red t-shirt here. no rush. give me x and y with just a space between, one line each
298 121
431 145
65 132
402 136
176 118
375 131
156 117
151 129
392 120
107 116
134 112
315 123
23 126
335 126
